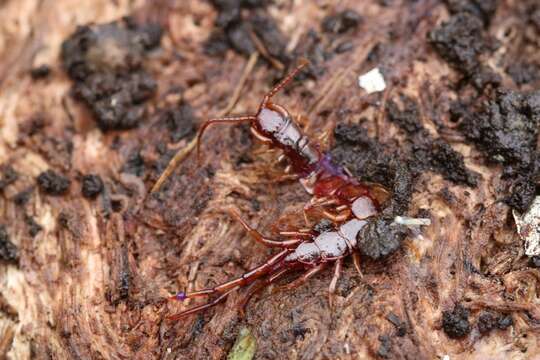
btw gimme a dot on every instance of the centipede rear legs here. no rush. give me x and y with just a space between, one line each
272 266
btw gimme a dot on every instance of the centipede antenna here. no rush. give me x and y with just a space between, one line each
223 120
284 82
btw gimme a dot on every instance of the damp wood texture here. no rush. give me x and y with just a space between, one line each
105 211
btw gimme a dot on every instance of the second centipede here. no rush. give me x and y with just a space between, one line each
336 196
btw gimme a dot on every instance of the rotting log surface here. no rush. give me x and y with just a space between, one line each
88 276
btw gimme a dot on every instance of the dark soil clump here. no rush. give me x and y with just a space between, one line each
362 155
8 251
460 42
505 129
23 196
8 176
523 73
483 9
341 22
106 62
40 72
489 320
238 22
179 122
53 183
92 186
33 227
426 152
380 238
456 322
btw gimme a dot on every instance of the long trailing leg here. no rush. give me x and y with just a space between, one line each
202 307
283 82
262 239
240 281
255 288
223 120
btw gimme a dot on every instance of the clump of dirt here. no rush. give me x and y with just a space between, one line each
341 22
460 41
523 72
40 72
134 163
23 196
8 251
382 236
33 227
456 322
238 23
489 320
363 156
367 160
52 183
92 186
505 128
179 121
8 176
483 9
336 36
106 62
426 152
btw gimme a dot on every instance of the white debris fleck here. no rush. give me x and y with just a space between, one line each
446 357
408 221
528 228
372 81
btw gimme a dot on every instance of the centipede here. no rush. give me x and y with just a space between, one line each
336 196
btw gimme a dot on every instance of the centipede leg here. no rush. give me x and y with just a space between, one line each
336 217
202 307
297 234
262 239
255 288
302 279
356 262
240 281
335 278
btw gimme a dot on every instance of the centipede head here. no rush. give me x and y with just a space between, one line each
266 109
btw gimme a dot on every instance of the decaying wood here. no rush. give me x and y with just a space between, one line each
92 282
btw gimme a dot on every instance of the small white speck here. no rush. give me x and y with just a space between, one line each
446 357
347 349
372 81
407 221
169 350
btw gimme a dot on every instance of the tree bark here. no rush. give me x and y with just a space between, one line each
91 276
